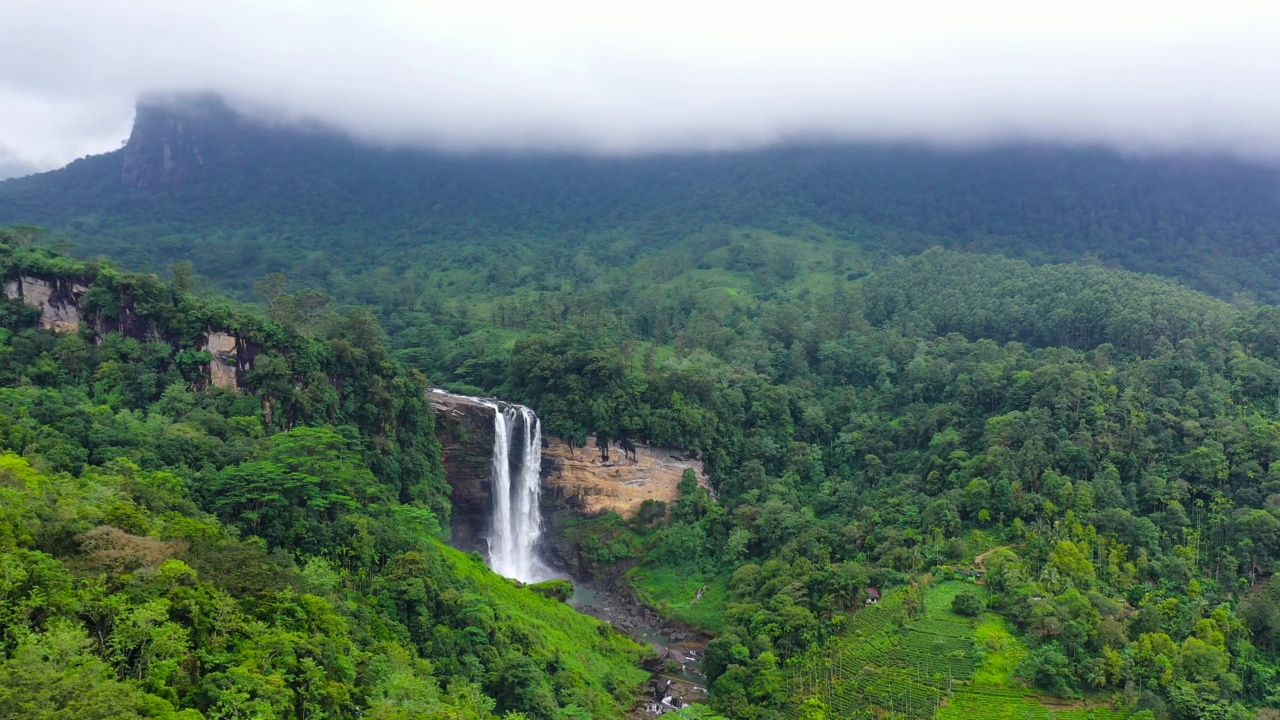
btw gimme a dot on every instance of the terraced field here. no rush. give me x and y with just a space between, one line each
981 703
923 667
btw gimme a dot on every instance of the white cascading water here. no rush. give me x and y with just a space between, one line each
515 484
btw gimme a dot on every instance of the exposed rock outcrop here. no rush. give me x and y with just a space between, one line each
231 358
58 300
584 482
175 137
465 429
577 483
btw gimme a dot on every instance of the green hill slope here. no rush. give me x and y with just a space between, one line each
914 657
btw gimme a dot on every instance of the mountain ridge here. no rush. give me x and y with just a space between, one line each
1211 222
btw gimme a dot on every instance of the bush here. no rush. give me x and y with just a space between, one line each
560 590
967 603
650 512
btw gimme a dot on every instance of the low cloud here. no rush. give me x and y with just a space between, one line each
659 76
12 166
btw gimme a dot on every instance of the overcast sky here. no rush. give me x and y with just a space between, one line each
623 77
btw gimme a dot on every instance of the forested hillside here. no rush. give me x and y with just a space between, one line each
174 549
1117 434
904 369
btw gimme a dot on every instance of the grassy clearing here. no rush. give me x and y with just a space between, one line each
673 593
1002 653
936 665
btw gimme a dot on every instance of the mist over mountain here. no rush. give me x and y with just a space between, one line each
12 166
242 197
580 77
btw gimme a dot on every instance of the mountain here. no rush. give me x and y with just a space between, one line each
241 197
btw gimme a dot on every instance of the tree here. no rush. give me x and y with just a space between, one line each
53 676
721 652
307 479
967 603
1048 669
1261 612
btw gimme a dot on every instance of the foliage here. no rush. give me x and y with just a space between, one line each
967 603
560 590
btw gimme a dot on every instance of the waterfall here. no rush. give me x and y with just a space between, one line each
514 486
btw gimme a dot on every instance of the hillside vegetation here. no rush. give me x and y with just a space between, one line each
892 361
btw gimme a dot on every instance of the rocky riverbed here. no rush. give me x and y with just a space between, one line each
677 664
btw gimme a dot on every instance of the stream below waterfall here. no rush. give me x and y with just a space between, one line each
683 648
679 677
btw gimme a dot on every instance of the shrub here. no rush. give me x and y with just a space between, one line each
967 603
560 590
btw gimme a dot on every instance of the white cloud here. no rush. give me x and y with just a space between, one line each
615 77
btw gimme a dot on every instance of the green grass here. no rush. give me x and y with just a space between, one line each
672 593
938 598
1013 704
1002 651
938 665
576 639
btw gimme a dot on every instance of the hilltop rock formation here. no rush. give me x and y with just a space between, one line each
173 138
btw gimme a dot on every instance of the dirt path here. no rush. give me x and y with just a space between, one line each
981 560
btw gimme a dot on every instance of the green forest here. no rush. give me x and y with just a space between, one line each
1060 476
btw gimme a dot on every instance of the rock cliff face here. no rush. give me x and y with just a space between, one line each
465 429
231 358
585 483
576 482
174 138
58 300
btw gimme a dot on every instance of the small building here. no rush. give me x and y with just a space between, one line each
873 596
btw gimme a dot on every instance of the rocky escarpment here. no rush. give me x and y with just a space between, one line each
465 429
59 302
57 299
232 357
581 480
174 138
578 482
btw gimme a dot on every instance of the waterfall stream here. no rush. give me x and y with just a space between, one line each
515 485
